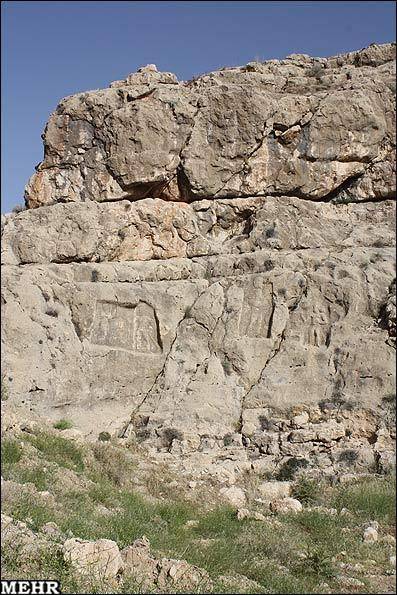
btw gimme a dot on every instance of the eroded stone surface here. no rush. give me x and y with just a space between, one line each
208 267
153 229
308 127
99 559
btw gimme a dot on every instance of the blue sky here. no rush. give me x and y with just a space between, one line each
54 49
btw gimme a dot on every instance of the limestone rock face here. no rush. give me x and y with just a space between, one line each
302 126
209 265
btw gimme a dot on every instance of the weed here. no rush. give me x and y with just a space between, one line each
25 507
38 476
379 244
227 439
59 450
288 469
63 424
11 454
268 265
188 312
296 558
375 499
267 424
317 561
227 367
337 402
343 199
348 456
306 490
114 463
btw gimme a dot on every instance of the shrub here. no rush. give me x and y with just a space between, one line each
288 469
104 437
316 71
271 232
389 407
348 456
63 424
94 275
171 434
306 490
18 208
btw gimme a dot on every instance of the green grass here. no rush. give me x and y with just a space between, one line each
40 477
58 450
374 499
294 556
26 508
11 454
63 424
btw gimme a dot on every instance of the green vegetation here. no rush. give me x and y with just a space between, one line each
373 499
59 450
293 553
306 490
11 453
63 424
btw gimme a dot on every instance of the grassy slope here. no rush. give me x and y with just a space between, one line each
288 554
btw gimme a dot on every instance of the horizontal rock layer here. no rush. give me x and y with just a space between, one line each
153 229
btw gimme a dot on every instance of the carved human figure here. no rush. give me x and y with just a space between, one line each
145 339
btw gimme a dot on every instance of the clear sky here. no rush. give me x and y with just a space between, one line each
54 49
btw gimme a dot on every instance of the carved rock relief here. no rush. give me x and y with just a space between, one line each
256 311
128 327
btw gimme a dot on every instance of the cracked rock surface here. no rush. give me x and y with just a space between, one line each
198 257
314 128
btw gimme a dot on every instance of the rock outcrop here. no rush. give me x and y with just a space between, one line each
214 258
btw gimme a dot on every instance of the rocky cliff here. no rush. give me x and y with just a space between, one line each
210 263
